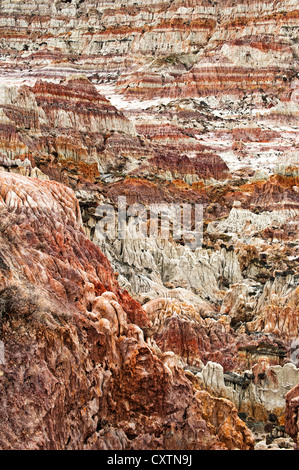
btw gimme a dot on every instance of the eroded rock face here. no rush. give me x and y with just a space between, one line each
200 336
68 130
224 78
162 102
52 237
258 393
292 404
179 327
75 344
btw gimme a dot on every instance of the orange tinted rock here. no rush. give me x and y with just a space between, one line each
78 373
292 415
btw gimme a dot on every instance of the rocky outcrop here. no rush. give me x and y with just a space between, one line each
54 209
226 75
162 102
292 405
259 393
200 335
68 130
75 344
179 327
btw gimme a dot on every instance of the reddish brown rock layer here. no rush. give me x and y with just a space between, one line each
204 166
77 374
178 327
149 192
292 414
57 250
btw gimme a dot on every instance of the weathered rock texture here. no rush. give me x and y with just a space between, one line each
75 347
192 102
292 421
227 73
258 393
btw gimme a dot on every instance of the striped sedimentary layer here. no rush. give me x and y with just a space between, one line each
190 49
66 125
184 102
76 344
237 61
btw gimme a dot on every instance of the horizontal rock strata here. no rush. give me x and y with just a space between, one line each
73 348
192 102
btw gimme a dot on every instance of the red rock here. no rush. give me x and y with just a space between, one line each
292 417
230 82
204 166
77 374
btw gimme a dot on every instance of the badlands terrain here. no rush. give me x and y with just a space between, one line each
147 343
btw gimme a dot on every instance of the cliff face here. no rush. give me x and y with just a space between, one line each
69 124
292 421
169 102
73 355
226 70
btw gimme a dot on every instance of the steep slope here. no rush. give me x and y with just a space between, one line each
72 357
233 62
167 102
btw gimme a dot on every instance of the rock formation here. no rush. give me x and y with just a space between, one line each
292 414
163 103
75 343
